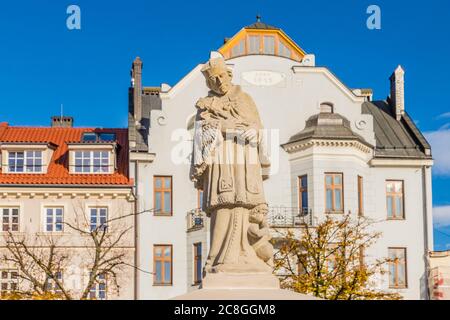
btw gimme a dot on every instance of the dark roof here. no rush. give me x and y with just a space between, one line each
395 139
327 126
150 101
261 25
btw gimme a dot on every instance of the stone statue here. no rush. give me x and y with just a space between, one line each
229 164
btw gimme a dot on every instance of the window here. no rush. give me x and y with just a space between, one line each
102 136
254 44
394 199
162 187
162 263
269 45
91 161
51 284
98 218
98 289
239 49
360 197
334 192
197 262
303 194
10 219
54 219
200 199
25 161
397 268
9 281
283 50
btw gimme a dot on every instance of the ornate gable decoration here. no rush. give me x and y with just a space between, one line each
263 39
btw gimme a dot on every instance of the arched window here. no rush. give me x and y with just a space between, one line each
326 107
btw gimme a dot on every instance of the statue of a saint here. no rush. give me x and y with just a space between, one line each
229 164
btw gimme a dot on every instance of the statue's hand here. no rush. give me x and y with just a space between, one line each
250 134
230 125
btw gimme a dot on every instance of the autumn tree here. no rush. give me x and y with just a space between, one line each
327 260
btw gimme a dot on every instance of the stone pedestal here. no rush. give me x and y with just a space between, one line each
240 281
244 294
242 286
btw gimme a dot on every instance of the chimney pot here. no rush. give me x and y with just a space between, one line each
62 122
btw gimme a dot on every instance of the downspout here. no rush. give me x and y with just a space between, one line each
425 223
136 231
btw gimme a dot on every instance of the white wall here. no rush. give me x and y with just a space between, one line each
284 106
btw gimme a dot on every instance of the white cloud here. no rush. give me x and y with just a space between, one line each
445 115
441 216
440 146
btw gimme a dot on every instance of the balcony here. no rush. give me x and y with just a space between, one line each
195 219
277 217
290 217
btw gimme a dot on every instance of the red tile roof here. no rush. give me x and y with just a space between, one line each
58 172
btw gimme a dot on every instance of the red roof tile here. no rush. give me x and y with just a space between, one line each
58 173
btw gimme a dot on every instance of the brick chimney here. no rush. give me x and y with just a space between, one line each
136 78
397 97
62 122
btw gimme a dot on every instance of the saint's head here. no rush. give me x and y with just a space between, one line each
218 76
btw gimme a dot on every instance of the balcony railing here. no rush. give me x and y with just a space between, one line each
196 219
277 217
290 217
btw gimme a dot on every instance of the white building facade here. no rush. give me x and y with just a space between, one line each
333 150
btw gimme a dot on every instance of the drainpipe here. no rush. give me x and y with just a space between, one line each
136 231
425 224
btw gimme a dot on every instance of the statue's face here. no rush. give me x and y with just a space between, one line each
220 81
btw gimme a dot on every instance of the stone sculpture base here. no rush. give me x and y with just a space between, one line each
235 286
244 294
223 280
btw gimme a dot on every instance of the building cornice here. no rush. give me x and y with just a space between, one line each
296 146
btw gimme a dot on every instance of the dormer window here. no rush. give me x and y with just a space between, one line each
25 161
92 162
92 157
26 158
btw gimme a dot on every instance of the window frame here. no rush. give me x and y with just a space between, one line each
26 155
92 158
162 190
9 280
333 200
95 289
198 258
200 196
302 190
394 194
97 220
51 284
396 286
45 223
10 223
162 260
360 196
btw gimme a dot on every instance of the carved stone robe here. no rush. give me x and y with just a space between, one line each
228 169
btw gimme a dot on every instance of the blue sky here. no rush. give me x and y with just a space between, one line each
43 64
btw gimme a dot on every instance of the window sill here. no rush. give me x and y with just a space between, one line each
396 219
162 214
398 288
54 233
334 212
14 233
163 284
